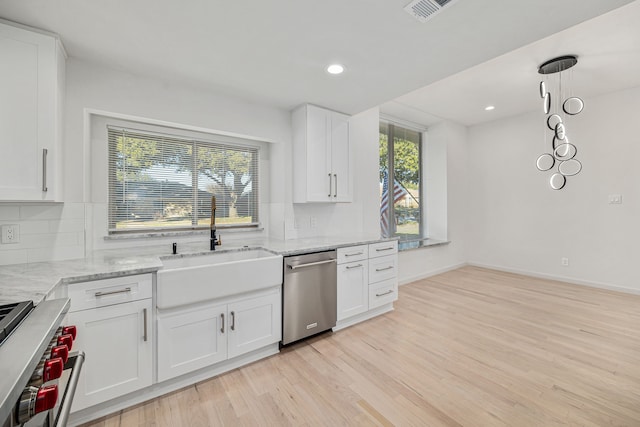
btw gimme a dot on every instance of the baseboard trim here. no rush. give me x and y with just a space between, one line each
341 324
431 273
565 279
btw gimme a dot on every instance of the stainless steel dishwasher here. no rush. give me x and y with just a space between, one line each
309 295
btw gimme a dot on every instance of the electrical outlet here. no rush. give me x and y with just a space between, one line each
11 233
615 199
564 261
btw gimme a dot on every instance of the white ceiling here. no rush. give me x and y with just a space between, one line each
276 51
608 51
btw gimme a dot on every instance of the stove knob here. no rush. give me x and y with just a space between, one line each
61 351
47 370
67 340
35 400
52 369
71 330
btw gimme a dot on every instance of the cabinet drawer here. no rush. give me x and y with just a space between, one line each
382 293
383 248
352 253
117 290
383 268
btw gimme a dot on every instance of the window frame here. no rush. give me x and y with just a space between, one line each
196 140
422 226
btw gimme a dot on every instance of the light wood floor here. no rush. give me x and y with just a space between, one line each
472 347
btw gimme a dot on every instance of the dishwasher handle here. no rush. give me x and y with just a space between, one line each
294 267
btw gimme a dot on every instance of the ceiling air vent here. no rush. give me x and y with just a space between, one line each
423 10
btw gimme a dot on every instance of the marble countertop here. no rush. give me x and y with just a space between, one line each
34 281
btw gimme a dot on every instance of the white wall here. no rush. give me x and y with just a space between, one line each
94 87
447 202
518 223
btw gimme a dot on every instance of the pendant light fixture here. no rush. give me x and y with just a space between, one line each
558 104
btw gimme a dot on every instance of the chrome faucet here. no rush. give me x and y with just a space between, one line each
214 241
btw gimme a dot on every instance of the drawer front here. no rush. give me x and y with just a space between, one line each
383 249
353 253
382 293
383 268
117 290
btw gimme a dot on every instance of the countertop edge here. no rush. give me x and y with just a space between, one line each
37 281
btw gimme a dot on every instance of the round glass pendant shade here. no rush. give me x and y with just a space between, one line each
545 162
573 105
547 103
570 167
557 181
553 120
565 151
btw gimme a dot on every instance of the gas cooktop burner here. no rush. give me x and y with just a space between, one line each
11 315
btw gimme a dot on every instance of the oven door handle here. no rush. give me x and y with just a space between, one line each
294 267
67 398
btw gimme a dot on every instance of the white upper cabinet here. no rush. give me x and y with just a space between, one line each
321 156
32 88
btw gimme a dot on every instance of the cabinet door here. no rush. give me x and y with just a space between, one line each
118 343
340 158
28 103
191 339
319 178
353 289
254 323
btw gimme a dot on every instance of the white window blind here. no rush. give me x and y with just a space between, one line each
160 182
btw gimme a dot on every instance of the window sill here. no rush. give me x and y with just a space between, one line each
407 245
186 233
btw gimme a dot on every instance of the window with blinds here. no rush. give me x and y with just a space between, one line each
161 182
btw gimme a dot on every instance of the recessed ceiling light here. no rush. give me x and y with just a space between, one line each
489 108
335 69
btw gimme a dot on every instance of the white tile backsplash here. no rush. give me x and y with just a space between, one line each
48 232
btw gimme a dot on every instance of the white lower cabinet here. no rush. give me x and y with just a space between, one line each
197 336
353 289
367 281
190 339
117 340
254 323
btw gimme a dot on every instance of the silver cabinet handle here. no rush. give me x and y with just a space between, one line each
385 293
44 169
354 254
294 267
222 327
329 185
233 321
144 313
121 291
354 266
386 268
384 249
335 179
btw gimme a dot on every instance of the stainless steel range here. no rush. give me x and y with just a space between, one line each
39 375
